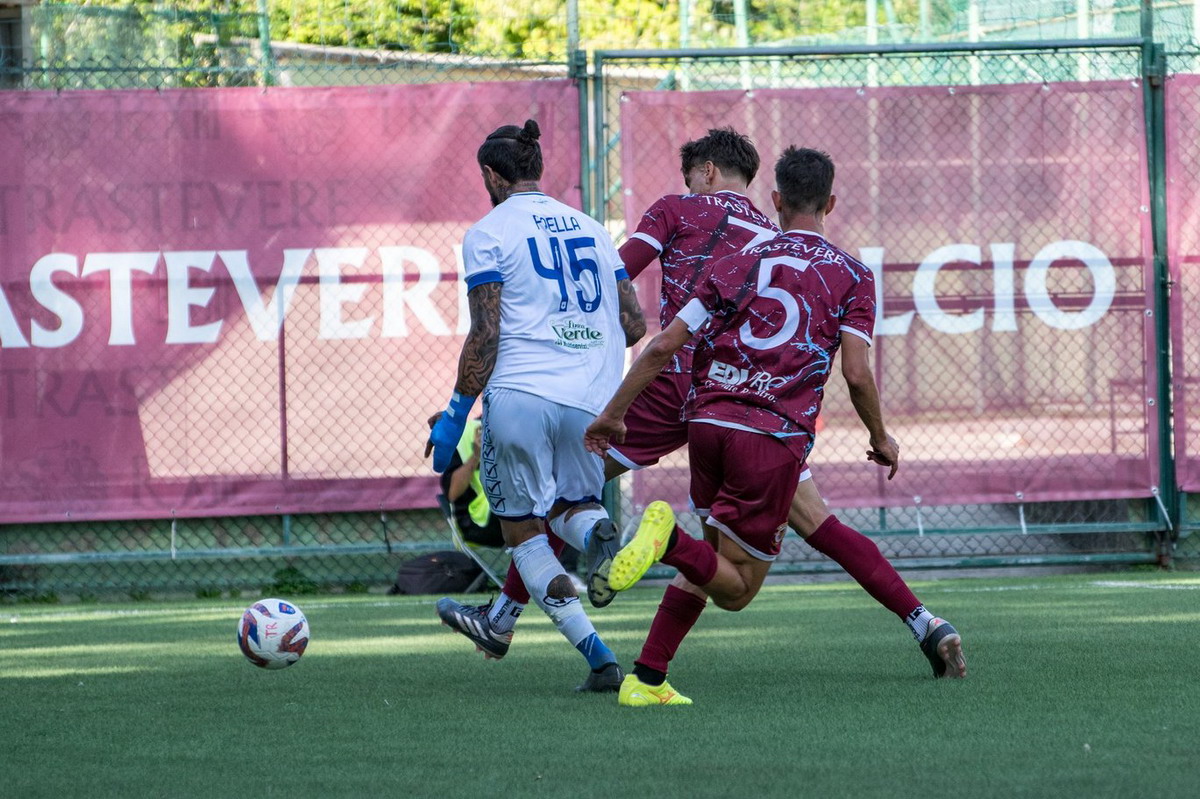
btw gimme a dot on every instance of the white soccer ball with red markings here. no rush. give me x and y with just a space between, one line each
272 634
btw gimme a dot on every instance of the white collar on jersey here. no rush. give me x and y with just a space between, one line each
802 230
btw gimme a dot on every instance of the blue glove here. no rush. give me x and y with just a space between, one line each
449 429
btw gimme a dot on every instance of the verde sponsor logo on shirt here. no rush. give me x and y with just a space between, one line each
575 336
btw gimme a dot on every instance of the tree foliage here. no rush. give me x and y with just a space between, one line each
537 29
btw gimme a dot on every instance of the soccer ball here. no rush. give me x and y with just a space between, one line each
272 634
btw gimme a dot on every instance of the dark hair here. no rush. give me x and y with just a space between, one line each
513 152
804 179
729 150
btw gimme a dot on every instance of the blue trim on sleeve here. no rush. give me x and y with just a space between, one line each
490 276
622 274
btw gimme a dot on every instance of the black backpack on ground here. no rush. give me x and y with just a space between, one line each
447 572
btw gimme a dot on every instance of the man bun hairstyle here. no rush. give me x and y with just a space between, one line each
530 133
730 151
513 152
804 179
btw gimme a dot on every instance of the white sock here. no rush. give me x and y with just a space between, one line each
575 530
918 622
504 612
540 570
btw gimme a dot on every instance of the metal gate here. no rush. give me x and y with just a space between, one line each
900 105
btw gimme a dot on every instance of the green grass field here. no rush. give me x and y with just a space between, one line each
1078 686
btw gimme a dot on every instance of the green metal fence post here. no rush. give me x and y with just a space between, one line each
264 37
596 165
1153 74
577 70
599 165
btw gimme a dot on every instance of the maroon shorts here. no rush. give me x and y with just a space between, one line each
652 424
743 482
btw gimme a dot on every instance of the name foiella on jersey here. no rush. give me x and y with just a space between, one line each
557 224
575 336
732 376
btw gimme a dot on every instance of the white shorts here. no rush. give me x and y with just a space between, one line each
532 455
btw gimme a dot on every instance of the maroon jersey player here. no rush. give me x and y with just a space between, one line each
685 232
764 360
773 319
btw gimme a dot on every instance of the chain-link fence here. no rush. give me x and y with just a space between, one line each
227 314
234 310
962 175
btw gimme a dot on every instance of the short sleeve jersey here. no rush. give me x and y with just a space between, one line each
690 231
777 313
560 326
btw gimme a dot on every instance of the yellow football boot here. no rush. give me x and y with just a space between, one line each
645 549
635 693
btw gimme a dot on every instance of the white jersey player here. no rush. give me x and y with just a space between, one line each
551 313
560 331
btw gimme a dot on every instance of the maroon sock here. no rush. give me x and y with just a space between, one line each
514 587
695 559
863 561
677 614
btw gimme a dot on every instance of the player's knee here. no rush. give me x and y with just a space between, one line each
566 510
805 520
808 510
733 603
560 588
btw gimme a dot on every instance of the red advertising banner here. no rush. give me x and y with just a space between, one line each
1182 97
1009 228
239 301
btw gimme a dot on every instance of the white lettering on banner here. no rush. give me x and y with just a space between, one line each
404 301
1003 287
181 297
1104 284
925 290
335 294
55 300
120 266
397 296
265 318
1004 319
10 330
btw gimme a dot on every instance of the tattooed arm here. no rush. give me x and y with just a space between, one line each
478 358
632 320
475 366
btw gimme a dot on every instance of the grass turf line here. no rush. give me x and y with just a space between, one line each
1075 689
